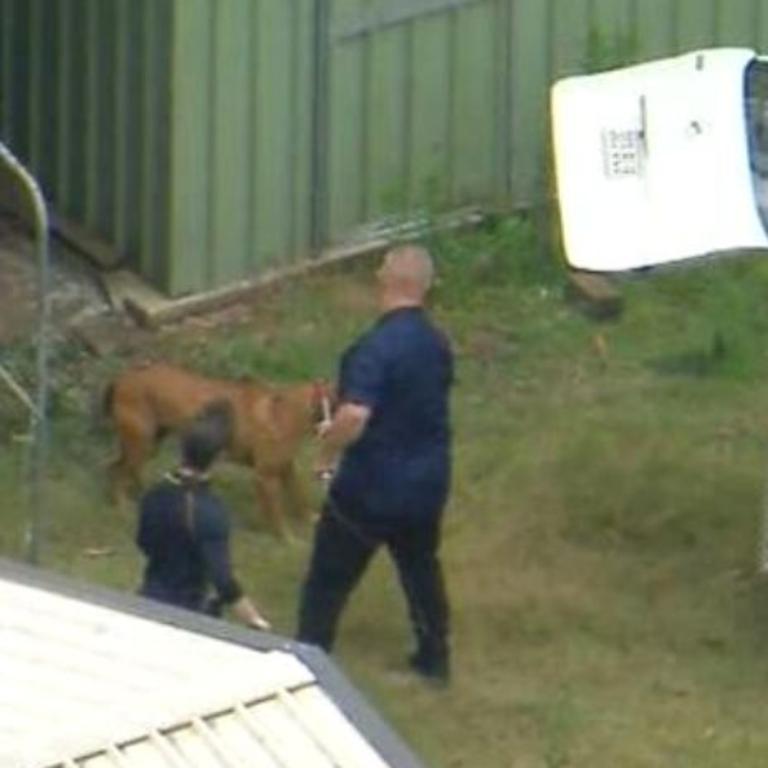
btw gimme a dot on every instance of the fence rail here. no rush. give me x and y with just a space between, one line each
397 12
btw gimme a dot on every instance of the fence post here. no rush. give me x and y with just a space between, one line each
505 38
320 117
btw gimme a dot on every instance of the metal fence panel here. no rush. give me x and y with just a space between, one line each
129 116
530 74
16 69
431 84
413 106
84 102
697 24
240 128
190 149
386 120
479 112
656 27
347 113
742 25
570 30
283 108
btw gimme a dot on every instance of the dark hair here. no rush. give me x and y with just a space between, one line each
207 434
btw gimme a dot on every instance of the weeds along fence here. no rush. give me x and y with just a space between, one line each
20 192
211 142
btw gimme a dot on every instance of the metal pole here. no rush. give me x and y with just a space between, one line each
762 551
39 418
320 121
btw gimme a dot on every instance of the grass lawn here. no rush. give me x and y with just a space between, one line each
601 539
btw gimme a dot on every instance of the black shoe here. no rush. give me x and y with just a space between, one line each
434 671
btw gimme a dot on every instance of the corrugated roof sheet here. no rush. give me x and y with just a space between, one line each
88 686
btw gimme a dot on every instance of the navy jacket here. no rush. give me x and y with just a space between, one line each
402 369
184 534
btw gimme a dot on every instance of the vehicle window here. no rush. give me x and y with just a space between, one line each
756 105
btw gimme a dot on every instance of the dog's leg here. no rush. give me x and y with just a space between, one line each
124 483
294 493
125 471
117 481
267 484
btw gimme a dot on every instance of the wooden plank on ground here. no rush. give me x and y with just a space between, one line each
596 294
86 241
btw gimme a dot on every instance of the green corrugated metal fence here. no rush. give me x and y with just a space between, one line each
241 127
84 100
218 140
416 106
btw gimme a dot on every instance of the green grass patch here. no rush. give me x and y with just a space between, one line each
600 542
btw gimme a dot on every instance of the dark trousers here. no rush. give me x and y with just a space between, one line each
342 550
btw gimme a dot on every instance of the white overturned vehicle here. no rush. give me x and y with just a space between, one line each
664 161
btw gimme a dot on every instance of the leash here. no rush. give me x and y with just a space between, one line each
321 397
332 510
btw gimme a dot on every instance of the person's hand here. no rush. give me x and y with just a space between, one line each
249 615
259 622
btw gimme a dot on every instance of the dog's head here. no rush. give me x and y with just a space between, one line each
305 406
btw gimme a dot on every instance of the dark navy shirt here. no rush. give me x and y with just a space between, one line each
402 369
186 545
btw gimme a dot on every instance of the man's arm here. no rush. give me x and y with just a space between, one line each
344 428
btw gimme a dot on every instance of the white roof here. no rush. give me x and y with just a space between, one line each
90 686
652 162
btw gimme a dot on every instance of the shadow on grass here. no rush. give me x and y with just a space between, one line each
708 361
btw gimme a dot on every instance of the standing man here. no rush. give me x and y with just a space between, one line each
391 432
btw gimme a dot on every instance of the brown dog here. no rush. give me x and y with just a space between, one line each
268 426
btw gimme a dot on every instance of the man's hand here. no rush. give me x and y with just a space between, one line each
335 434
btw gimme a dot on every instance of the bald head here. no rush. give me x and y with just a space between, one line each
405 276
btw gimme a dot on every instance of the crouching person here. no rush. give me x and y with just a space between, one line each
184 528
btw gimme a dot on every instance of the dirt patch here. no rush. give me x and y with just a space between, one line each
73 293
